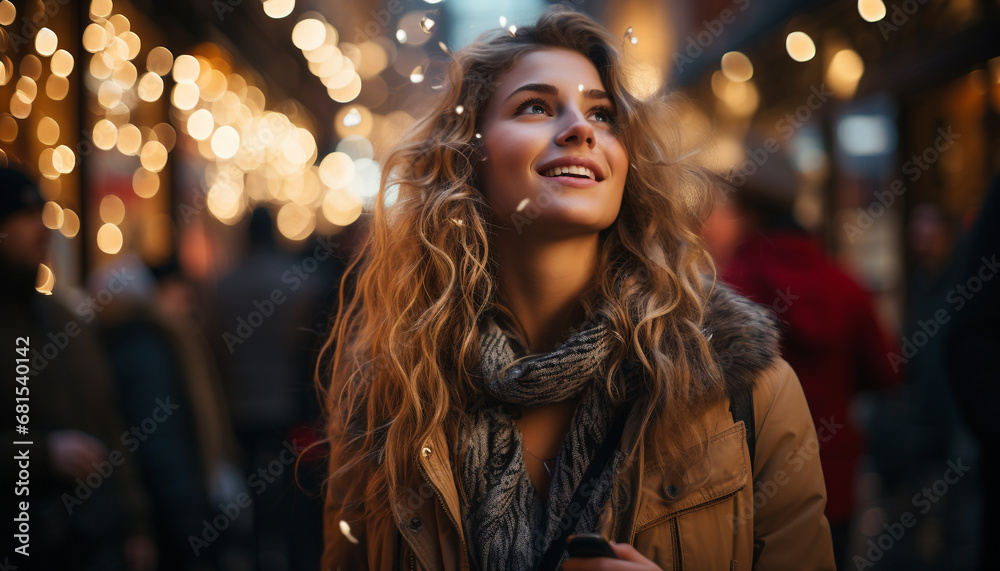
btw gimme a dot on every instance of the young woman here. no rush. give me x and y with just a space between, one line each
531 349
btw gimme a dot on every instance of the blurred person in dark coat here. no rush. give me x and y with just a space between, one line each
918 441
160 360
87 510
265 305
971 346
831 335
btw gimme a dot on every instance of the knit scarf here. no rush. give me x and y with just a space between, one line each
505 523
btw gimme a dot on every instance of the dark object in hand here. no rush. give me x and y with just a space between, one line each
589 545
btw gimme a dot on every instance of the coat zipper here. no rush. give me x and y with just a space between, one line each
447 511
676 535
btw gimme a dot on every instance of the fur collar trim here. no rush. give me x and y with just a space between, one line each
744 335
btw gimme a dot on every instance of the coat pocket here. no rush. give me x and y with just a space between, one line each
686 518
720 473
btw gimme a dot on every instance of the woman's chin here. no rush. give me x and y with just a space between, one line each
558 223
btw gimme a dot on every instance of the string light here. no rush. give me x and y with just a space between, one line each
218 108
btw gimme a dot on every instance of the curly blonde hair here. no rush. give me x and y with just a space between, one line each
406 345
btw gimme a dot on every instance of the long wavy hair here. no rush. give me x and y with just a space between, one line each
405 347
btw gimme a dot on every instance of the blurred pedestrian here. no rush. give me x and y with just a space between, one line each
263 306
162 364
971 342
831 335
87 509
917 433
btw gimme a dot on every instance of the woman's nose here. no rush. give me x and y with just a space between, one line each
578 131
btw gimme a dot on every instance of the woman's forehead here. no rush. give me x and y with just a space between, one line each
561 68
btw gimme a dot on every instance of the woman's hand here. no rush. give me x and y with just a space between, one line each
628 560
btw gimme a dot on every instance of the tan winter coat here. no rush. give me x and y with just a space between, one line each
769 518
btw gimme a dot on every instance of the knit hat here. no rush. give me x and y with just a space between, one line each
17 192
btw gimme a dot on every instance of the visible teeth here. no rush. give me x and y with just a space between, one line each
571 169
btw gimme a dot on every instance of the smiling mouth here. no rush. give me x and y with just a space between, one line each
571 171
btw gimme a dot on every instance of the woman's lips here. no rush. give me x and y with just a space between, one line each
569 180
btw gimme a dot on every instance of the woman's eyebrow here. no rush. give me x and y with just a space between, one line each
553 90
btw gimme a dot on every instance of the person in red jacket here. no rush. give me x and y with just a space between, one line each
832 337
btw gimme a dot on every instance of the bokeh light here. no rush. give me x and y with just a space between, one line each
225 142
109 94
341 207
200 124
224 202
46 280
308 34
71 224
150 87
186 68
95 38
129 139
62 63
46 42
20 106
7 13
159 61
153 156
166 135
64 160
125 75
800 46
56 87
48 131
31 67
112 209
184 95
736 66
336 170
871 10
278 8
28 87
145 184
101 8
295 222
844 72
8 128
105 135
110 239
52 216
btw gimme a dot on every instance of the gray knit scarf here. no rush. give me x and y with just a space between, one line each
505 523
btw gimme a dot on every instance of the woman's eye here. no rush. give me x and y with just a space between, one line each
533 106
603 116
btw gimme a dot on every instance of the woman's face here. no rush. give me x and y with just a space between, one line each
554 164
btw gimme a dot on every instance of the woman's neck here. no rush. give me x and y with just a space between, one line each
542 282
